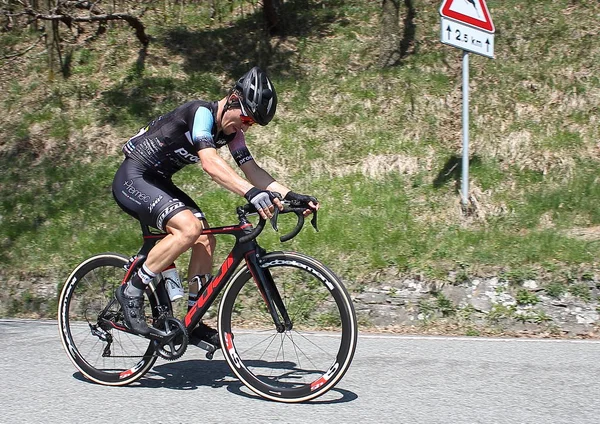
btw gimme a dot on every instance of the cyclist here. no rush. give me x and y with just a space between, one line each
191 134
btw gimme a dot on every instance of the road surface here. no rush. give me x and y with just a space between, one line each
393 379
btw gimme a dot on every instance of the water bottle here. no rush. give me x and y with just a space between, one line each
173 283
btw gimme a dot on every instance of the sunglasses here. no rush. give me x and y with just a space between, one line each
245 118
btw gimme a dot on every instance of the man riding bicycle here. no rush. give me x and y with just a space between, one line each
191 134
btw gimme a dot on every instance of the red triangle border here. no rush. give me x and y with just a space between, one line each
488 25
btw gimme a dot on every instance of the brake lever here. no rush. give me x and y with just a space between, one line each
313 221
274 219
276 212
299 213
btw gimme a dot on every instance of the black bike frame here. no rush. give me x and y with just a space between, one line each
249 251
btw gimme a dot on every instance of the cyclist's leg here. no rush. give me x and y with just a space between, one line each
183 230
200 266
199 270
201 259
152 200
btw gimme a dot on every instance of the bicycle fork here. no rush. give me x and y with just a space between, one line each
270 293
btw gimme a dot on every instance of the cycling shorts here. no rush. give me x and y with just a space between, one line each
149 197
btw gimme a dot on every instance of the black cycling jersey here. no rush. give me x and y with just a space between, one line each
142 186
166 145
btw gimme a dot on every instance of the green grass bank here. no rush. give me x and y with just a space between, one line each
380 148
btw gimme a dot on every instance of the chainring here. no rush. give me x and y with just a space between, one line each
177 346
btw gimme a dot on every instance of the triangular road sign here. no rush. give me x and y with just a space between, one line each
471 12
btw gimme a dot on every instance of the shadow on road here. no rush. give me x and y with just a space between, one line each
192 374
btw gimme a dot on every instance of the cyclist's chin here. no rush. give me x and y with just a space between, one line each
230 129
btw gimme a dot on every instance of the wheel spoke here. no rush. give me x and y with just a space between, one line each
295 365
102 353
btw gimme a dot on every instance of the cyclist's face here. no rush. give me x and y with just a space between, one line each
234 120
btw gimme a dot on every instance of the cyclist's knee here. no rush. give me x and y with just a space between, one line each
186 229
192 232
208 242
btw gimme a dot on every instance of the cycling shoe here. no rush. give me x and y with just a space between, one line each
133 311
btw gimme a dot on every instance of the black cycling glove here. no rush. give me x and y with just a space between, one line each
300 200
260 199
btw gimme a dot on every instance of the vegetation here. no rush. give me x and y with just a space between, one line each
379 147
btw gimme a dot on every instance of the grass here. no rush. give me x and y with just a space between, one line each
380 148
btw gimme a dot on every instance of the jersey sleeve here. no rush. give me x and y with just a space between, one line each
202 129
239 150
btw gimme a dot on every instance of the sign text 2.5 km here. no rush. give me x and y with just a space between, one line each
466 37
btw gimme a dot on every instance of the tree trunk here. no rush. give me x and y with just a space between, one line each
389 39
52 42
273 17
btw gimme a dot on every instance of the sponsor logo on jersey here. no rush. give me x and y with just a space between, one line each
134 193
171 206
155 202
184 154
242 156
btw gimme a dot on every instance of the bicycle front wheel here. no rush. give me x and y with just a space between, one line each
305 361
86 311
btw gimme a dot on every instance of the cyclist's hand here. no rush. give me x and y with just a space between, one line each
262 200
303 200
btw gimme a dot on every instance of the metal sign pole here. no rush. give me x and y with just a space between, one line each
468 26
465 127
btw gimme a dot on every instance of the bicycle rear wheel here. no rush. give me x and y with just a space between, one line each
304 362
86 310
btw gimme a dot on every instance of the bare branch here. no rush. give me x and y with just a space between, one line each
14 55
134 22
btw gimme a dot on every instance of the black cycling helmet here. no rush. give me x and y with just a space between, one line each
258 95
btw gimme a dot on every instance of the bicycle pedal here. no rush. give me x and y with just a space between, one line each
210 349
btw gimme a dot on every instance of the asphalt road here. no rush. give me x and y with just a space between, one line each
395 379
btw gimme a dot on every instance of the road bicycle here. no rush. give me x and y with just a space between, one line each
285 321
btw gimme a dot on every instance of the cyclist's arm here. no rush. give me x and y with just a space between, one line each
201 129
220 171
254 173
261 178
217 168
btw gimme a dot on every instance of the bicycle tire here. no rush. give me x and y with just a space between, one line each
297 365
86 293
